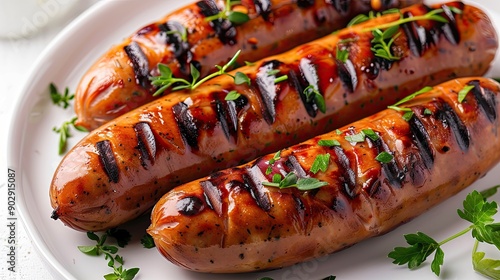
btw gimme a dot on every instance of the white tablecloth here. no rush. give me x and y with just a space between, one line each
16 59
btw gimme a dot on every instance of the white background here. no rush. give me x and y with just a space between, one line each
16 60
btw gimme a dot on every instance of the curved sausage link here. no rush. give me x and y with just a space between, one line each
231 222
119 81
118 172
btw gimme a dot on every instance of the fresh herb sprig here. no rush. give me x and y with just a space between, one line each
65 133
147 241
408 112
115 261
312 93
60 99
479 213
234 17
292 181
166 79
371 15
384 35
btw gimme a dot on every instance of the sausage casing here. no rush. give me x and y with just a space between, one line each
231 222
118 172
119 80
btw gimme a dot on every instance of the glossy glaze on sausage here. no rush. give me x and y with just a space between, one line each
120 170
231 222
119 81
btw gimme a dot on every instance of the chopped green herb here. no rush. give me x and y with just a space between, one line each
381 47
408 115
408 98
311 93
384 157
427 112
281 79
463 93
356 138
328 142
122 236
291 181
370 134
321 162
338 131
232 95
276 157
342 54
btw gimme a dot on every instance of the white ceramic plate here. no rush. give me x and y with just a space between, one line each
33 155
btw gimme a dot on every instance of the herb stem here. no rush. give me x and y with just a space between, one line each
456 235
222 70
429 15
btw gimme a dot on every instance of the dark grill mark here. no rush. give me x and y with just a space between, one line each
298 84
377 64
394 175
227 124
185 122
108 160
450 118
224 29
414 33
267 89
342 6
213 196
140 63
486 100
189 206
146 143
348 176
347 74
293 165
305 3
421 138
172 31
263 8
450 29
253 183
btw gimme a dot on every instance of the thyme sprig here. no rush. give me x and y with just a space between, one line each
166 78
60 99
234 17
65 133
115 261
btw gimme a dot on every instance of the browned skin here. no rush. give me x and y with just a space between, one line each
222 228
120 170
111 87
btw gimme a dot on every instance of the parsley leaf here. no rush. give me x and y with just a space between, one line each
421 247
147 241
321 162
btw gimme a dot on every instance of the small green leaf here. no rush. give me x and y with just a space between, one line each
129 274
384 157
147 241
305 184
356 138
232 95
289 181
438 261
89 250
342 54
238 17
328 142
92 236
489 192
321 162
122 236
370 134
463 93
194 73
407 116
241 78
111 276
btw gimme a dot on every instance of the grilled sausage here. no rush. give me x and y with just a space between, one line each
119 81
231 222
120 170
